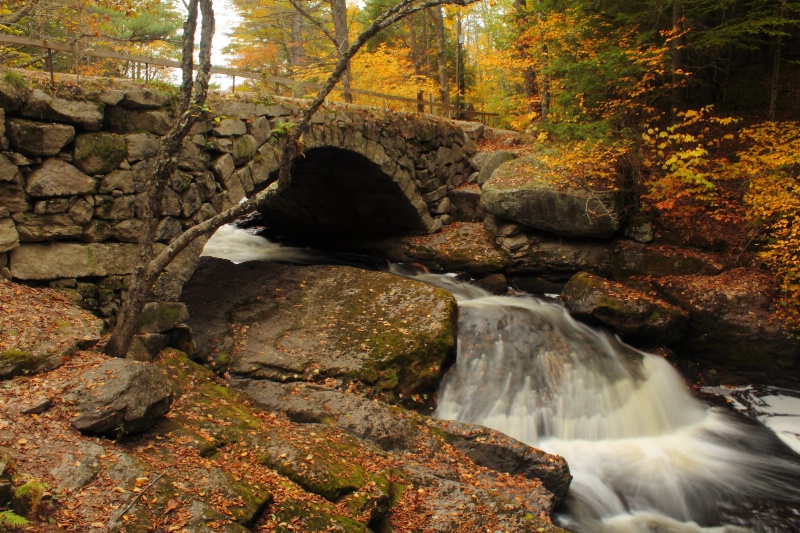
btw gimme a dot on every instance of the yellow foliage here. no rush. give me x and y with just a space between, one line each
679 160
772 163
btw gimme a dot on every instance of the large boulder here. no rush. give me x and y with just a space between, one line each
25 348
635 315
120 397
487 163
283 323
527 191
732 325
462 246
501 453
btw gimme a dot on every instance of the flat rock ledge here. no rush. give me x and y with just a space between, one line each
306 324
33 347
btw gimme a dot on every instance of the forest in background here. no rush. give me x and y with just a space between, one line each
692 105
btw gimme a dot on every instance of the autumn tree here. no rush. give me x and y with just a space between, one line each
193 92
148 28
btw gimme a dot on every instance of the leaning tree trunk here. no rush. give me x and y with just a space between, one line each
149 267
165 165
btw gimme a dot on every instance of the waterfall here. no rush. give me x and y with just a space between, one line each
646 456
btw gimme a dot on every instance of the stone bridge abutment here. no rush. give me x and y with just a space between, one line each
72 171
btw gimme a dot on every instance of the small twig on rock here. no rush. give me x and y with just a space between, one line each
142 492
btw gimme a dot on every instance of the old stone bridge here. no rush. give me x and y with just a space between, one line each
72 172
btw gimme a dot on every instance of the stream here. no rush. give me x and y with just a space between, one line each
646 455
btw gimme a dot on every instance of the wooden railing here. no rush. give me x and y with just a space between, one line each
53 46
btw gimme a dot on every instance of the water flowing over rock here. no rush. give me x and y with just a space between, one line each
121 397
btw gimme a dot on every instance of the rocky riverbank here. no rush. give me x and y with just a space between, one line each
299 445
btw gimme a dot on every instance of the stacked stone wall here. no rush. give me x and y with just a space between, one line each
73 169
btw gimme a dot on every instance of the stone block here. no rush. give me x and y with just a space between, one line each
48 207
229 127
127 230
9 172
159 317
57 178
121 208
99 153
141 146
71 260
144 99
33 228
192 157
119 180
42 106
13 198
9 238
243 149
37 138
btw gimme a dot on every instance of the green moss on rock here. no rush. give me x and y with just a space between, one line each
322 462
295 515
99 153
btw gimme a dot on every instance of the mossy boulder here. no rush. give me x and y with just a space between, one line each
99 153
287 323
635 315
13 90
529 192
158 317
319 459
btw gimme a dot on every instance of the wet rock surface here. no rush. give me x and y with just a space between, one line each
633 314
286 324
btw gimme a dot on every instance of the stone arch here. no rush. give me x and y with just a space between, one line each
341 192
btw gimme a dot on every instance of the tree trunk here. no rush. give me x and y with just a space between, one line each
529 85
296 47
444 83
166 163
676 49
415 59
148 267
339 12
776 69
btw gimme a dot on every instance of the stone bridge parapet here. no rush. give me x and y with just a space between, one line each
72 172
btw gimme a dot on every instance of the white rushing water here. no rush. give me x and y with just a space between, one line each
646 456
239 245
